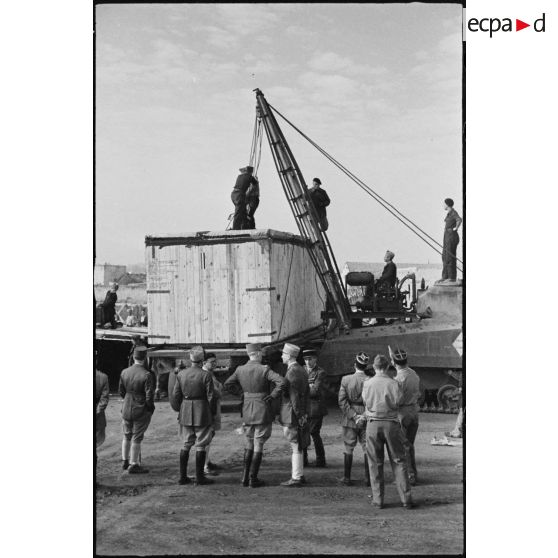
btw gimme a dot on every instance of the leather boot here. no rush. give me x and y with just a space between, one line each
320 451
305 458
255 482
366 470
184 455
248 455
200 464
348 463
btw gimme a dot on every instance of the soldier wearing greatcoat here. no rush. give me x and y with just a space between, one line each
318 408
193 398
255 380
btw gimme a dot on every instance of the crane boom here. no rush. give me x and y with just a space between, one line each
305 213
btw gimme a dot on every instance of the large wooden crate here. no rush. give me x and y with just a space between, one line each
230 287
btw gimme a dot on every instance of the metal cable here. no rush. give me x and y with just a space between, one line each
385 204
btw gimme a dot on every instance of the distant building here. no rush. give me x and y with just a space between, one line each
131 279
103 274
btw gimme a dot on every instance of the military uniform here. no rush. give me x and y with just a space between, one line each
294 413
101 402
408 415
381 396
193 398
238 197
136 388
451 240
255 380
351 405
317 411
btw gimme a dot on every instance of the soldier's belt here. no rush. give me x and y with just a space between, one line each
257 395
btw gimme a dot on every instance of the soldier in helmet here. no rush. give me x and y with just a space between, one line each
409 381
353 423
195 402
254 379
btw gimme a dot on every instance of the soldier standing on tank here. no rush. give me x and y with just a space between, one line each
255 380
294 413
193 398
318 409
136 388
209 364
382 396
409 381
352 422
451 240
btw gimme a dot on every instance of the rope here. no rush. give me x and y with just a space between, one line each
385 204
286 294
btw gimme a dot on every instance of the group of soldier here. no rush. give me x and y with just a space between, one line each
379 411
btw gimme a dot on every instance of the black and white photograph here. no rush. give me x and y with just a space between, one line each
278 278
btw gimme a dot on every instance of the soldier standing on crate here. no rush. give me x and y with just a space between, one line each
382 396
252 203
409 381
318 409
353 423
254 379
136 388
294 413
238 197
209 364
193 398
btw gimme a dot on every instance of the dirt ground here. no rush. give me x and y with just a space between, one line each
151 514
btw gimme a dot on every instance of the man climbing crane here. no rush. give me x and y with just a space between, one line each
243 198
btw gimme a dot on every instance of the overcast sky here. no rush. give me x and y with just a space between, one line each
378 86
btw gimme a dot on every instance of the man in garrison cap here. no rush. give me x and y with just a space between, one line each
260 386
382 396
194 400
352 408
136 388
317 407
238 197
409 381
294 412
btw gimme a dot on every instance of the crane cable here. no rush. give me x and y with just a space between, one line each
384 203
256 147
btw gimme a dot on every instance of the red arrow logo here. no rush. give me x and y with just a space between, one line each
519 25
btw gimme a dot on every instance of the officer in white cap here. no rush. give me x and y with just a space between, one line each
136 388
254 379
353 423
294 413
193 398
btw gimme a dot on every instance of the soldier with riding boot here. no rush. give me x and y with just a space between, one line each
255 381
318 409
352 408
193 398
